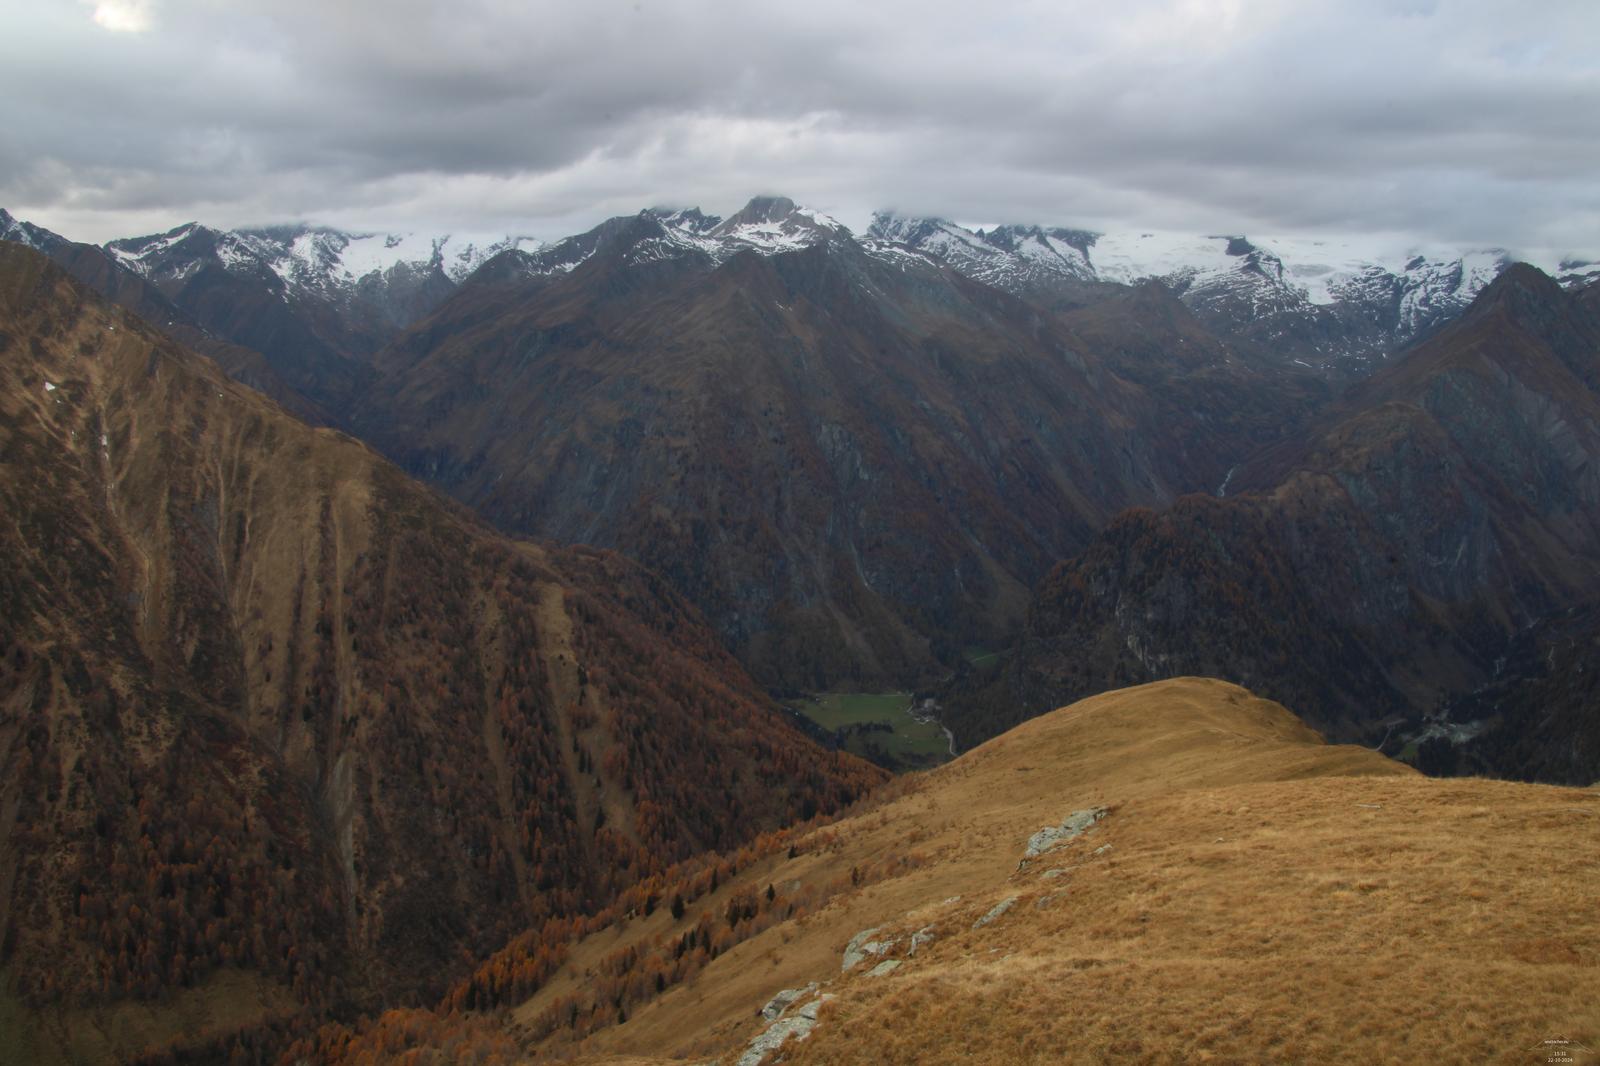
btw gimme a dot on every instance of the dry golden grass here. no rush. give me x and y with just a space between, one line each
1266 898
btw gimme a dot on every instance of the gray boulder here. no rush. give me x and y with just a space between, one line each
1052 835
862 945
784 1000
996 911
769 1040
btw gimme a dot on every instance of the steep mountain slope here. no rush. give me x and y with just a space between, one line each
855 462
1236 891
282 731
1326 304
1382 563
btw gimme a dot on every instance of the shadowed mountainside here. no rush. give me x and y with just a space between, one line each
854 462
1379 565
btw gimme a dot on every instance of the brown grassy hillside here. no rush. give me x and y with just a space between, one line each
275 718
1252 895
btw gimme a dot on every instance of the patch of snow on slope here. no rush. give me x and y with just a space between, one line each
821 220
1577 272
462 255
375 253
241 254
891 252
770 237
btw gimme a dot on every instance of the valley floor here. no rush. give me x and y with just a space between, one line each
883 727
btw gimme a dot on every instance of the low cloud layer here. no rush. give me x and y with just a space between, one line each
1455 123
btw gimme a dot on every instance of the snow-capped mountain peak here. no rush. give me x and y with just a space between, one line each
307 258
1327 300
1319 301
771 224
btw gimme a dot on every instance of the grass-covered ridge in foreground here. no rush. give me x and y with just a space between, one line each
1252 895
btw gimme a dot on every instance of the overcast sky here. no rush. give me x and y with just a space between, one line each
1439 122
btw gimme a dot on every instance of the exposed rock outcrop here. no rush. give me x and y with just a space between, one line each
784 1000
862 945
770 1039
995 912
1050 836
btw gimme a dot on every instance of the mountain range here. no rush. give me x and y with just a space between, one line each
857 455
1329 304
1338 305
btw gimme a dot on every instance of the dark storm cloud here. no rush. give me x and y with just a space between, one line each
1450 122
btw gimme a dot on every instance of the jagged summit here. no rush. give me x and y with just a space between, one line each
690 219
777 223
762 209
